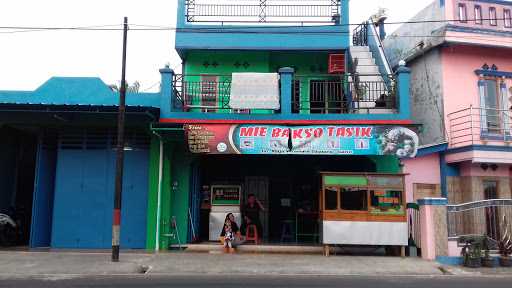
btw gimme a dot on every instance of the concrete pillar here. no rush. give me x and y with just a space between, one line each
434 230
286 74
403 76
167 98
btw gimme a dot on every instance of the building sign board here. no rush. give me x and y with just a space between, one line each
301 140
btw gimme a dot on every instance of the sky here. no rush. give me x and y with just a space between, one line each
29 59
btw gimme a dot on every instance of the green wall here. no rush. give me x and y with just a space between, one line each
180 195
154 153
165 197
386 164
307 65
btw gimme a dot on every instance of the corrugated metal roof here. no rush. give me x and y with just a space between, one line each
77 91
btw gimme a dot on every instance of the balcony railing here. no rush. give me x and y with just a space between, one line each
479 126
311 94
346 95
263 11
483 217
360 35
196 93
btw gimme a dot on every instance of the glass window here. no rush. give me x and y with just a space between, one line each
478 14
462 13
492 106
385 181
388 202
507 16
354 199
490 189
493 16
331 199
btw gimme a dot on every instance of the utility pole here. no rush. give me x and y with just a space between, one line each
116 221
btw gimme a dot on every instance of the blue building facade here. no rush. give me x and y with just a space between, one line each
58 158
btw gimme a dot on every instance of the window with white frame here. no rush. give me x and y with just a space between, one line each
478 14
494 105
493 17
463 15
507 17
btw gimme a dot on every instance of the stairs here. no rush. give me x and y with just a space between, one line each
371 81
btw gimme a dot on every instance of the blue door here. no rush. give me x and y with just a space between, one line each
84 196
41 227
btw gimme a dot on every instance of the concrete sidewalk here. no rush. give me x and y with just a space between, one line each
26 264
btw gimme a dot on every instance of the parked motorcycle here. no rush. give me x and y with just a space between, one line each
8 230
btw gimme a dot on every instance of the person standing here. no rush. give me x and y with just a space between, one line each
251 214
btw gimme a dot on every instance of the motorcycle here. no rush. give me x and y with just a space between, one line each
8 230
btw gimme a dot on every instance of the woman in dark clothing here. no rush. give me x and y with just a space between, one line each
230 233
251 214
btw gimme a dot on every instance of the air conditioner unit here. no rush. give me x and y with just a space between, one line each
336 63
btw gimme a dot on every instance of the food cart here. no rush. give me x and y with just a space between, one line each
363 209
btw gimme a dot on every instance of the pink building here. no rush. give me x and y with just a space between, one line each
461 92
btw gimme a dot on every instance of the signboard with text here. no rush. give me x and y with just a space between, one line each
306 140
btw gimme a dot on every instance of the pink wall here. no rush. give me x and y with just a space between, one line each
421 170
452 12
460 83
474 169
428 242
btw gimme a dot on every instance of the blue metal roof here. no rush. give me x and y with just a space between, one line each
77 91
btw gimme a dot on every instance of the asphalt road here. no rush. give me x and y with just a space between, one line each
153 281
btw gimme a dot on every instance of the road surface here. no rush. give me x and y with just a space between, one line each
210 281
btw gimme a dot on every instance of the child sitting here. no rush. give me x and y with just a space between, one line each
229 233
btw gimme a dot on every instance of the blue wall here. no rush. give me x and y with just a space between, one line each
84 189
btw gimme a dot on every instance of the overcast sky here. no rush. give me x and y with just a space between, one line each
29 59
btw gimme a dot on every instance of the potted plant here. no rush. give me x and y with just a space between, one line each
472 250
505 245
487 260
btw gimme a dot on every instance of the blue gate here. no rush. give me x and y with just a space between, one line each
84 190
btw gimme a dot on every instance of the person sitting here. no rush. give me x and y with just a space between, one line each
251 214
230 233
382 102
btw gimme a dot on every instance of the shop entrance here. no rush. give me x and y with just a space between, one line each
287 186
18 150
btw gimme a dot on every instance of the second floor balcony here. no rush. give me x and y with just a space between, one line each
311 94
316 97
480 126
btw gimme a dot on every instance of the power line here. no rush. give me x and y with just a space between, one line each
221 29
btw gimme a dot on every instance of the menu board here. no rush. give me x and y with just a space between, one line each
387 202
199 138
226 195
386 181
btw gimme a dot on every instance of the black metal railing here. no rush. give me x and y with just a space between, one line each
263 11
200 93
360 35
315 94
347 94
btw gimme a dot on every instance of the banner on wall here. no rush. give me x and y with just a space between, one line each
305 140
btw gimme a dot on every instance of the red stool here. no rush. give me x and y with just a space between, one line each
251 234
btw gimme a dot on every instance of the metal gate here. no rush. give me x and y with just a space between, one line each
483 217
413 219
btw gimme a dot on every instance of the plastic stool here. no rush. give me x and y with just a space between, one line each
252 234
